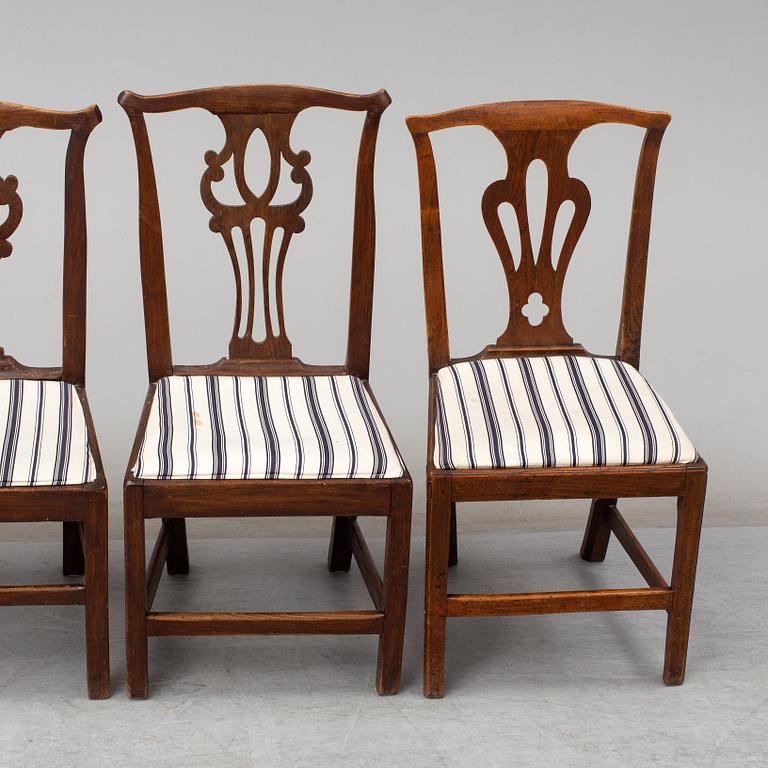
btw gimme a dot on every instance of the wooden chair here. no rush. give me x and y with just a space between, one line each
535 416
50 468
299 439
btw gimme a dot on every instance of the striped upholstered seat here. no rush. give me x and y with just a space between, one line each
265 427
552 412
43 435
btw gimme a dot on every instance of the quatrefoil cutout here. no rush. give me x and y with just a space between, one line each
535 310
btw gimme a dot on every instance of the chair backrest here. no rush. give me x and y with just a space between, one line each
529 131
79 124
271 109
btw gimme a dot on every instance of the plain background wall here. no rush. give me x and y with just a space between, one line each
705 63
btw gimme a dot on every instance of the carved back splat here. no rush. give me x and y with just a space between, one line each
542 272
79 124
242 111
529 131
287 217
9 197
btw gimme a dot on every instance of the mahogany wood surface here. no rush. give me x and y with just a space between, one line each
367 565
546 131
286 623
643 599
642 560
243 110
43 594
81 508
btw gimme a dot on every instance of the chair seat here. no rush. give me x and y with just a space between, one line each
560 411
43 435
265 427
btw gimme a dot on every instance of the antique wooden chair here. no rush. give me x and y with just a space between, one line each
50 468
535 416
260 433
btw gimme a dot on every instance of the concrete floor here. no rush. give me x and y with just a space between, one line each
578 690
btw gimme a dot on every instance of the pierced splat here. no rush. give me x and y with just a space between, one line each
286 217
540 273
9 197
535 309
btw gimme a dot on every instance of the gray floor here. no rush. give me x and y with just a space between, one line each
579 690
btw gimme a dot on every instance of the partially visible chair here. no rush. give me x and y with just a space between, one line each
50 467
536 416
260 433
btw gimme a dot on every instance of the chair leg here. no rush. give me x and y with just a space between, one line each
177 561
73 559
395 590
97 594
598 531
340 548
135 594
453 547
690 509
436 585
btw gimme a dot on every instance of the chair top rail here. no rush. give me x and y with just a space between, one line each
537 116
20 116
249 99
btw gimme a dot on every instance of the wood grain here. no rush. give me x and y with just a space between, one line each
307 623
242 111
43 594
522 604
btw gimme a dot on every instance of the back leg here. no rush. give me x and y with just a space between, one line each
340 548
178 554
453 544
73 558
598 531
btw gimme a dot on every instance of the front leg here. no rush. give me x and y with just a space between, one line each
395 589
690 510
136 676
436 585
97 599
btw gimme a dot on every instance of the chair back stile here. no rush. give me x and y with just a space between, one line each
530 131
244 110
79 124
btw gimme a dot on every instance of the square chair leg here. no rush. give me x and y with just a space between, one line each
97 592
690 508
436 585
73 558
395 590
135 594
453 547
340 548
598 531
177 562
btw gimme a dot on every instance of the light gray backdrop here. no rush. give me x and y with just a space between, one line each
703 62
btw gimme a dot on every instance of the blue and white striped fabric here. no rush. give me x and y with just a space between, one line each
563 411
43 435
265 427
